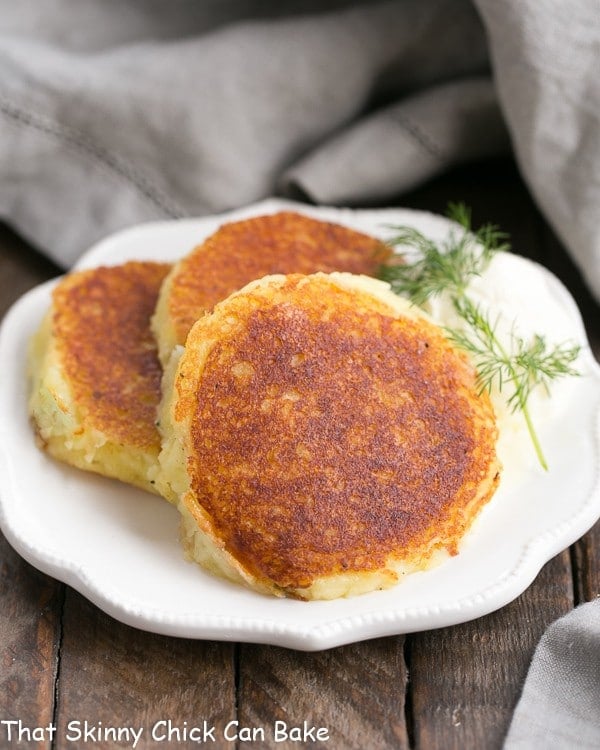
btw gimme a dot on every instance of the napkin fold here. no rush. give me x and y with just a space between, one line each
559 708
117 113
399 146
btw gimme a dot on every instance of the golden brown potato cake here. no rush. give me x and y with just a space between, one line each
96 374
324 438
242 251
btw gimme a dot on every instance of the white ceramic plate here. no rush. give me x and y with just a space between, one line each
119 546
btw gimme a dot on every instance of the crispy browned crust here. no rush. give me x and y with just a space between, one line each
101 328
328 435
241 251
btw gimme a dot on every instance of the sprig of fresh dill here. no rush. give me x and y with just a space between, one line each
449 267
525 367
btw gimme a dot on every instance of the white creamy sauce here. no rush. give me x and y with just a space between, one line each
518 301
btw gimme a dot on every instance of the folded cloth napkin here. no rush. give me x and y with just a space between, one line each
116 113
546 59
559 708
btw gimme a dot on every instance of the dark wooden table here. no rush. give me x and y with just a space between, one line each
63 659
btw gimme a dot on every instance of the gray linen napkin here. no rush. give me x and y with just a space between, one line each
546 58
115 113
559 708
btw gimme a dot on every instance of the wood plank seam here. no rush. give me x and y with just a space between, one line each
408 696
578 592
57 664
237 680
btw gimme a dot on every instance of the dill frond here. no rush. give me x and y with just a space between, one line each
449 266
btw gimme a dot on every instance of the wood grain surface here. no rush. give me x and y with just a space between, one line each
64 660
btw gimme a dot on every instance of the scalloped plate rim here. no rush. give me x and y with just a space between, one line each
331 630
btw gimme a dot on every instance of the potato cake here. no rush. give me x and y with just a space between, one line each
96 374
324 437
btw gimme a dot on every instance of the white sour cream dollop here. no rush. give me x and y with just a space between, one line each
520 299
